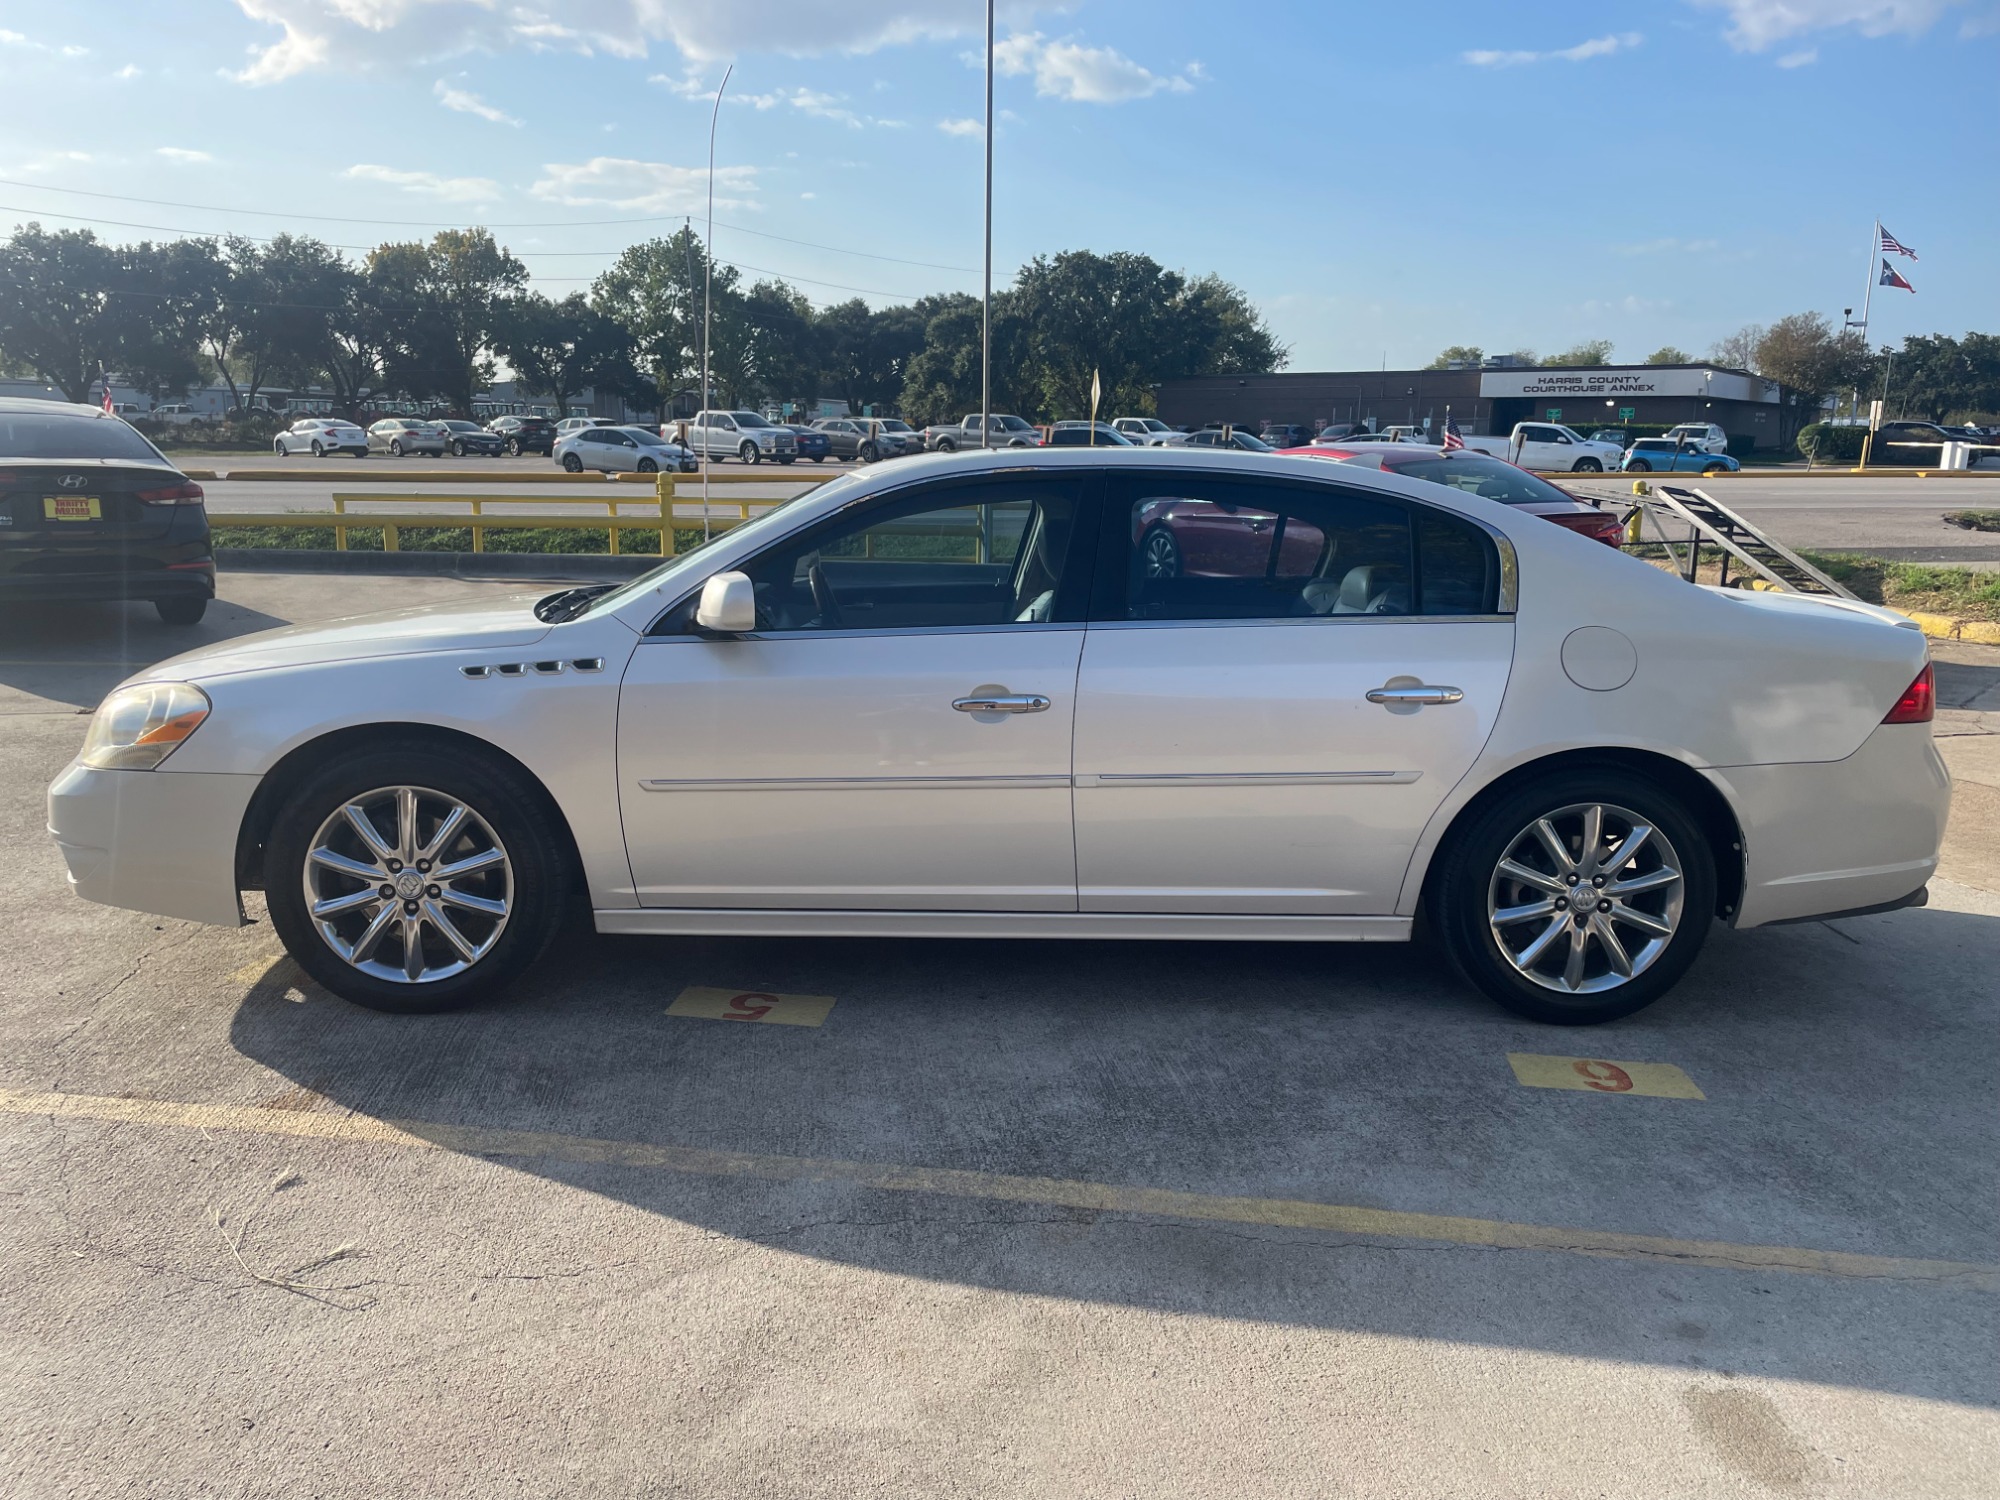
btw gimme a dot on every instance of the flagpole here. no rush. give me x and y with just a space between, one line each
707 291
986 299
1867 297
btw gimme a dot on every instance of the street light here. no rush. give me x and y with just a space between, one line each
707 304
986 301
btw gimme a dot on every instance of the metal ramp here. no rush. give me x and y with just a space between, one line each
1708 522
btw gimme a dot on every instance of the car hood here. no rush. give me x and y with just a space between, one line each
508 622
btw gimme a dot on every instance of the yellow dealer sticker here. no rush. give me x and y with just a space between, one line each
1597 1075
710 1004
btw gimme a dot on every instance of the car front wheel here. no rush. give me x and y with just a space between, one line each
647 466
279 449
409 878
1588 466
572 463
513 448
748 453
318 449
868 453
1576 898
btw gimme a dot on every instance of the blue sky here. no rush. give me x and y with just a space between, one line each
1382 181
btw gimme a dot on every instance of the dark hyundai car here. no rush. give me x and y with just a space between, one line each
813 443
462 438
520 435
90 510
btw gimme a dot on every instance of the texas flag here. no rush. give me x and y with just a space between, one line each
1890 278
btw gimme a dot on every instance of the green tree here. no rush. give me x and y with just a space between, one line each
1457 354
867 353
1589 352
942 381
1806 355
654 291
57 313
561 349
786 348
447 300
1667 354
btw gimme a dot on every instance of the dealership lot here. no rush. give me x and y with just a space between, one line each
919 1217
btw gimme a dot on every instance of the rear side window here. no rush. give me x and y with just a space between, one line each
1189 548
31 435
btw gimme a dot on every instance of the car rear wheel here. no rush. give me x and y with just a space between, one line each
1639 466
819 458
410 879
1588 466
946 445
572 463
1576 898
183 609
396 448
1159 554
789 460
318 449
1715 468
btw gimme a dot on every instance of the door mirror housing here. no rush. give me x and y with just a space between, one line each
728 605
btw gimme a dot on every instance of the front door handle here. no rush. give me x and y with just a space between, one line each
1421 692
1002 703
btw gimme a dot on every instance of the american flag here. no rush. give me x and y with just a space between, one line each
1453 438
1890 278
1896 246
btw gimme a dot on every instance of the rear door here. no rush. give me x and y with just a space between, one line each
1229 758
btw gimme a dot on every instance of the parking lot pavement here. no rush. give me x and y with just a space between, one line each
999 1219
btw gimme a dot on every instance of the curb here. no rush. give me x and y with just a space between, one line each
562 567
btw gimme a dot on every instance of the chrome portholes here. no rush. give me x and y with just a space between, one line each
1585 898
480 670
408 885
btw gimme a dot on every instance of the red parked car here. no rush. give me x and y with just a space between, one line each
1478 474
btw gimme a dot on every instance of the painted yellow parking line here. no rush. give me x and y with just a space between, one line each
1599 1075
1283 1213
710 1004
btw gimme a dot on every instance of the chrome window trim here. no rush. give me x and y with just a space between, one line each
1307 621
1011 626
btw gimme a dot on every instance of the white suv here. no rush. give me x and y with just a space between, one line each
1149 432
1705 437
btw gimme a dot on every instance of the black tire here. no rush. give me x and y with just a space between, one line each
458 450
1466 877
513 448
1159 554
572 464
182 609
748 453
794 458
318 449
1639 466
537 851
647 466
396 448
1587 466
279 449
946 445
819 458
869 453
1715 468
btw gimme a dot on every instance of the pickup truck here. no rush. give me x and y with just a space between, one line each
1549 446
746 435
1004 432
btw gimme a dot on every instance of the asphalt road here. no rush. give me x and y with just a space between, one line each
1898 518
1012 1220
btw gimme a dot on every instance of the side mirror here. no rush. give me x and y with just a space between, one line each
728 605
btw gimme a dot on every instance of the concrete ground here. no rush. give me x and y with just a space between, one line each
1014 1220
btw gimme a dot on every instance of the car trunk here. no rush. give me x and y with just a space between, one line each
88 503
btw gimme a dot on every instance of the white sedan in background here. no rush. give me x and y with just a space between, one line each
320 436
978 697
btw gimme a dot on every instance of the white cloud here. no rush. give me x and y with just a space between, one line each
468 103
970 128
1597 46
183 154
1085 75
692 86
1757 25
430 184
129 72
315 35
29 44
646 186
1803 59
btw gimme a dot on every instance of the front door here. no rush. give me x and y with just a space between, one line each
895 735
1229 758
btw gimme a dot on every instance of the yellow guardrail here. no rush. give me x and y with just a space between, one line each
670 505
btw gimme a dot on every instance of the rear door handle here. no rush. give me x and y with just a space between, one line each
1002 703
1422 692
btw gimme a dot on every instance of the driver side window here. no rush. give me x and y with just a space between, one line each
978 555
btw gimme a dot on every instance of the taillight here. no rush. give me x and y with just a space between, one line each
1918 705
1594 524
187 492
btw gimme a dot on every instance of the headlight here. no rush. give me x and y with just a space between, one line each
138 727
768 439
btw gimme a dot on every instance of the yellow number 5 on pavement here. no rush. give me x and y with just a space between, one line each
1596 1075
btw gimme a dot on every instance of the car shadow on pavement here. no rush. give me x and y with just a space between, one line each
77 652
1847 1069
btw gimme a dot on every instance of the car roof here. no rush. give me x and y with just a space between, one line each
31 406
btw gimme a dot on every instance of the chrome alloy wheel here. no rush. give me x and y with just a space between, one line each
408 885
1586 898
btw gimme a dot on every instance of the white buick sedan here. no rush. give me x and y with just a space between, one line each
1055 694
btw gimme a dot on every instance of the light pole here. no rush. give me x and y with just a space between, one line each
707 294
986 301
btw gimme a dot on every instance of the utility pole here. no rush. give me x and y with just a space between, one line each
986 301
707 293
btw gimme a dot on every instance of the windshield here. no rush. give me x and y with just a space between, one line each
650 439
1154 424
1488 478
890 424
32 435
1013 424
749 419
666 572
1570 432
1256 444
